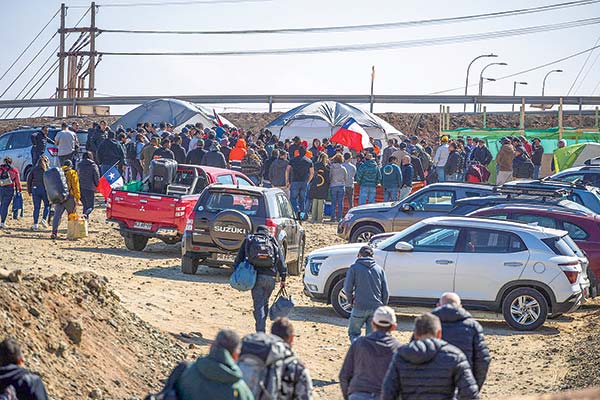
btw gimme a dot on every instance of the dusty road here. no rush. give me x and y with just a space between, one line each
151 285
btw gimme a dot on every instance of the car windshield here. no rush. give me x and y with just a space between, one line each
244 203
392 239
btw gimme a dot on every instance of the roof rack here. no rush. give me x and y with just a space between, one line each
525 190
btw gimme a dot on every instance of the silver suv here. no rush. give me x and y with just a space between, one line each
362 222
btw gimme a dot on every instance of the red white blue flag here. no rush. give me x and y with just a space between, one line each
217 118
110 180
352 135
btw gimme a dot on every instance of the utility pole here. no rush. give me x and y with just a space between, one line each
92 65
61 60
372 83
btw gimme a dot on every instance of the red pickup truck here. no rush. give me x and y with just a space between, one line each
143 215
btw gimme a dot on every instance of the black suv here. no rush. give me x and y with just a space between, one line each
225 214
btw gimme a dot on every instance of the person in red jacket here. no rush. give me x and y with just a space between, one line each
237 154
9 181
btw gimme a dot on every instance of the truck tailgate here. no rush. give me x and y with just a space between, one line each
144 211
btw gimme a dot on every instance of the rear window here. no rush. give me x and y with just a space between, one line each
559 246
250 205
569 241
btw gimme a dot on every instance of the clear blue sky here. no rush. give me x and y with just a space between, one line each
399 71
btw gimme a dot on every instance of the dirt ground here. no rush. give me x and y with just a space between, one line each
151 285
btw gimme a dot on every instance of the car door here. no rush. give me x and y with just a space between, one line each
427 271
288 224
487 259
427 203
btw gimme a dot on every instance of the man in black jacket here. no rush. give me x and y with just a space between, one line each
195 156
453 164
461 330
13 376
110 152
537 152
481 153
178 150
429 367
214 157
164 151
88 173
265 277
368 358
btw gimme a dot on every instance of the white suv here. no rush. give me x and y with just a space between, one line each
524 272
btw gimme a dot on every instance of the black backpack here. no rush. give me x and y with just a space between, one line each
260 251
168 392
130 149
5 176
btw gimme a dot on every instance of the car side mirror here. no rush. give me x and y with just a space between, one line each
406 207
403 246
301 216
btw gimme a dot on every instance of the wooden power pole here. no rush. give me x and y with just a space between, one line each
60 94
92 64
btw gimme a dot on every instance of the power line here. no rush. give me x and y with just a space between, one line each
582 67
588 72
377 46
29 45
175 3
388 25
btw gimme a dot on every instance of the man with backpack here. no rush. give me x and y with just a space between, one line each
215 376
262 251
16 382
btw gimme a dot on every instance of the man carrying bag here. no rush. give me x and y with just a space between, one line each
262 251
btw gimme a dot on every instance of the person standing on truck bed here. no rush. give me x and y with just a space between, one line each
147 153
265 275
164 151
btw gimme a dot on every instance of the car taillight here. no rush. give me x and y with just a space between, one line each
572 276
271 226
179 211
53 151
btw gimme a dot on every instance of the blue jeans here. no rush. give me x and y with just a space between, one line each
390 194
536 171
298 195
337 202
367 193
358 318
265 284
349 194
441 173
6 195
68 206
39 196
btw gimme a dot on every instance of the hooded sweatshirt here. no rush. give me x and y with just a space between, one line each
461 330
215 376
391 176
429 369
368 174
366 285
239 151
366 363
27 385
337 175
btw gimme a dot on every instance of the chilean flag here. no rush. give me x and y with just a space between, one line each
217 118
110 180
352 135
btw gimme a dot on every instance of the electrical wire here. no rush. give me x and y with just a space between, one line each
376 46
36 92
587 72
582 67
388 25
176 3
29 45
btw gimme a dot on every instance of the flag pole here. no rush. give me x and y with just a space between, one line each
372 84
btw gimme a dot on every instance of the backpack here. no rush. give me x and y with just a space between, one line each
243 277
260 251
131 151
56 186
263 361
9 393
168 392
5 179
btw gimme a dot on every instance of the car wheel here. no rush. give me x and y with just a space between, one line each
135 242
364 233
525 309
339 301
27 172
189 265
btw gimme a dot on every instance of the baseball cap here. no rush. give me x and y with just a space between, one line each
384 316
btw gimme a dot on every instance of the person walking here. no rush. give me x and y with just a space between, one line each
368 358
66 142
70 204
537 153
25 385
368 177
337 182
349 186
366 288
504 161
38 144
460 329
429 367
278 172
265 276
391 179
147 154
319 188
296 380
215 376
9 182
37 191
407 177
440 158
300 171
164 151
89 176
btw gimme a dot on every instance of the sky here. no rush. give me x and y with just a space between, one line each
419 70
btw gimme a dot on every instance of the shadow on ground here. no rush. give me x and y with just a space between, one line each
204 274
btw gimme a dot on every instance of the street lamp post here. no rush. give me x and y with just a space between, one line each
515 83
545 77
481 82
469 68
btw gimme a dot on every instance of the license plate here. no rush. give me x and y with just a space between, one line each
142 225
225 257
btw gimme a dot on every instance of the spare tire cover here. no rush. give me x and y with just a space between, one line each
229 229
